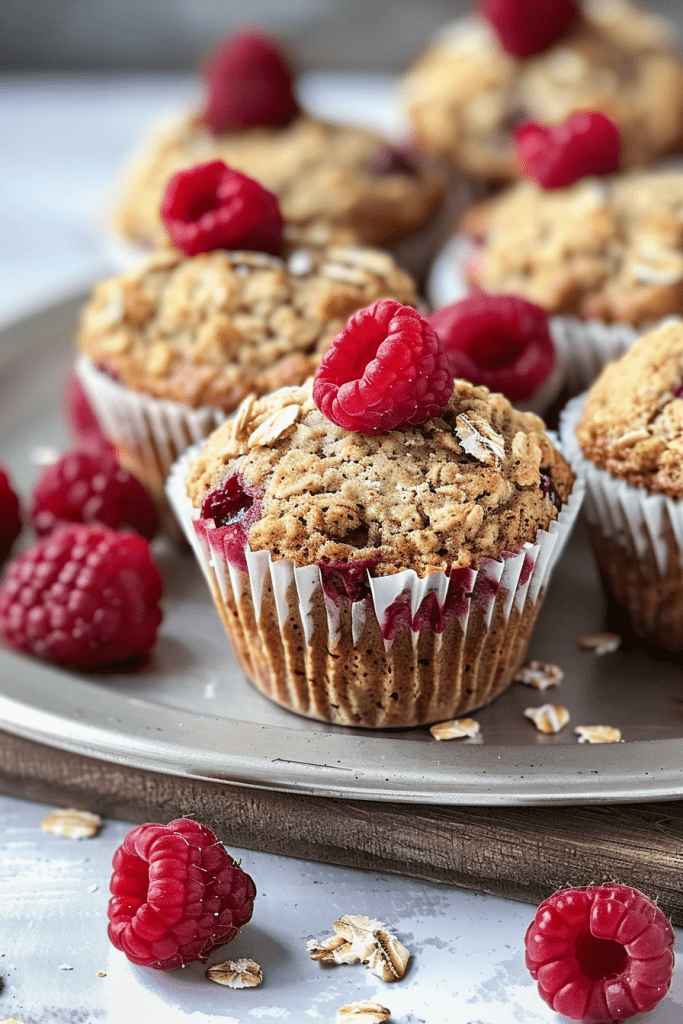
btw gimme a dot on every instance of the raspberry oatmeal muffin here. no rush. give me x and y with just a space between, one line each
625 438
331 180
467 93
171 348
382 573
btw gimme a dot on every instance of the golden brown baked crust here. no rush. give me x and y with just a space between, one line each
465 94
610 249
632 424
459 488
210 329
320 172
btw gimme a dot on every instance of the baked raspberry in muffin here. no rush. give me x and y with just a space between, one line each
625 439
334 182
467 93
388 574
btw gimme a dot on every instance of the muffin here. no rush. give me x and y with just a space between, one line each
382 579
329 178
606 252
625 439
466 94
171 348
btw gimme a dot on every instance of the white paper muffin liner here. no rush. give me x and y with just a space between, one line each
584 346
648 528
424 605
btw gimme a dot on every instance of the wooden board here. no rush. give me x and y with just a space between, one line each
524 853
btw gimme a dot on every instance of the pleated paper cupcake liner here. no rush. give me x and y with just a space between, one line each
378 652
637 538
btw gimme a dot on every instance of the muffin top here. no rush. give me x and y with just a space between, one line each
479 480
632 423
321 173
209 329
608 248
466 94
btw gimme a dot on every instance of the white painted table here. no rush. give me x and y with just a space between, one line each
62 146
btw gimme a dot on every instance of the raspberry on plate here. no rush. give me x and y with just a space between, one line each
92 487
176 895
525 27
10 520
385 369
249 84
84 597
209 206
600 953
586 143
501 341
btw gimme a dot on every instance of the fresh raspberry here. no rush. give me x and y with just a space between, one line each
530 26
212 207
386 368
176 895
84 597
10 520
501 341
586 143
600 953
92 487
81 416
249 83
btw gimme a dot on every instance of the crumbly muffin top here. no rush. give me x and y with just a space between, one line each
209 329
610 249
477 481
322 174
632 423
465 94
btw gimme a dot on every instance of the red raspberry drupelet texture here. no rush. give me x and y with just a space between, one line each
249 83
212 207
10 520
525 27
385 369
600 953
586 143
501 341
84 597
92 487
176 895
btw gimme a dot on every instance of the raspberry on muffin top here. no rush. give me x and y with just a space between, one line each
479 480
632 423
210 329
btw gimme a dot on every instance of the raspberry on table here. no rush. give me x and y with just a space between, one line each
10 520
81 416
249 83
501 341
525 27
385 369
600 953
586 143
210 206
176 895
92 487
83 597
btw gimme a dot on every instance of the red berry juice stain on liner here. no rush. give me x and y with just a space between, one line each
430 614
344 583
226 517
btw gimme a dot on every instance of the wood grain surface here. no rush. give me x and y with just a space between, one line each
524 853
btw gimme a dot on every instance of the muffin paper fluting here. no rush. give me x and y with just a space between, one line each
391 651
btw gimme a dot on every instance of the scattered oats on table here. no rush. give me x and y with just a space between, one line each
72 824
549 718
360 940
455 729
598 734
600 643
236 973
540 675
363 1012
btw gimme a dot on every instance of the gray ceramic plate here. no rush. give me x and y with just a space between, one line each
192 713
